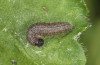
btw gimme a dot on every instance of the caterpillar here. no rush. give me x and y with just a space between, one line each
37 30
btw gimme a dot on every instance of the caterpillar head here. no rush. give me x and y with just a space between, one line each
39 42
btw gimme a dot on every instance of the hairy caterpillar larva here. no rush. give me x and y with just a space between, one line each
37 30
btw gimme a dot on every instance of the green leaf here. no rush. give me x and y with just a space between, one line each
17 15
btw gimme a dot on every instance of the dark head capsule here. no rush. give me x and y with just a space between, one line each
39 42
